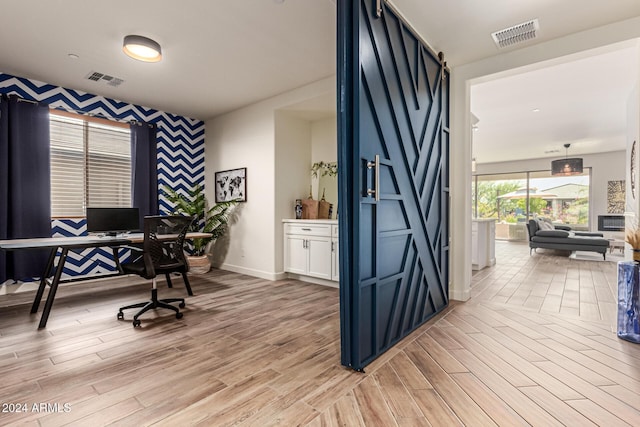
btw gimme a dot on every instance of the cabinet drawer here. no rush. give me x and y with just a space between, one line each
308 229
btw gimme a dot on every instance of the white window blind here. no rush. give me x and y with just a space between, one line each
90 165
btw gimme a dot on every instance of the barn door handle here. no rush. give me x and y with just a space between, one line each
376 178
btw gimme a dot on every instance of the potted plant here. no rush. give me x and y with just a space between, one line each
212 220
324 169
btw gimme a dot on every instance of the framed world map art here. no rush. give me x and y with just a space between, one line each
231 185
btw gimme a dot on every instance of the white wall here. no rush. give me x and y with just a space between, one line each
324 144
247 138
588 42
324 147
604 167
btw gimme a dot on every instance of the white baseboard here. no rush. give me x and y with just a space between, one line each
277 276
459 295
252 272
314 280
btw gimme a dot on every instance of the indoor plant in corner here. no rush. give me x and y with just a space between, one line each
212 220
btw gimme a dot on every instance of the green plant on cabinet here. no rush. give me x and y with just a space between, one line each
324 169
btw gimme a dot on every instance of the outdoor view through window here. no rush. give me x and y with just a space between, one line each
512 199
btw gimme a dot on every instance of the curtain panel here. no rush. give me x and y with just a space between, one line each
25 199
144 169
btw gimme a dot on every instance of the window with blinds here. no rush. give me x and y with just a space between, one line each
90 164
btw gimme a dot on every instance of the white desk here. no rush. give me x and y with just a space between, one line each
65 244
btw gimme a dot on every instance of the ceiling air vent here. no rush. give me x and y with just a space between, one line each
517 34
104 78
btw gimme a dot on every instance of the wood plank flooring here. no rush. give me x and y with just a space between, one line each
534 346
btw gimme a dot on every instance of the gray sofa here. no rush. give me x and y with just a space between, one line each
563 238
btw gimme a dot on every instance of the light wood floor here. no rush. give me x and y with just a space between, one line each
250 352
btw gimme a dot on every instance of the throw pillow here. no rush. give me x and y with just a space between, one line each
548 225
544 225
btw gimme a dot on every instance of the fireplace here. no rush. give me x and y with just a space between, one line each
610 222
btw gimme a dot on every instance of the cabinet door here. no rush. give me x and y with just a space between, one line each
319 257
295 254
335 266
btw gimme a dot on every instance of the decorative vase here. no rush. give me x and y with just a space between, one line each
199 264
298 209
629 301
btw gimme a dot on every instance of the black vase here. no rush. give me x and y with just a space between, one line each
298 209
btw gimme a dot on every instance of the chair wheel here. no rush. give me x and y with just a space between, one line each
120 315
179 315
182 305
136 323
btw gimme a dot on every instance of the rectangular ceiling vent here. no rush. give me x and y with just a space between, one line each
517 34
104 78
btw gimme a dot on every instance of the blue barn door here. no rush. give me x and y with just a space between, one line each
393 152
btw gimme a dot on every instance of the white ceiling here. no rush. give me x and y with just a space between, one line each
220 55
533 114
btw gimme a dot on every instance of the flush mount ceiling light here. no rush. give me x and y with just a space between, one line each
566 166
142 48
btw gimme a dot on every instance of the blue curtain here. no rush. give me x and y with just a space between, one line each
25 182
144 169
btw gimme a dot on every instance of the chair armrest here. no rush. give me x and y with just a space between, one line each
562 227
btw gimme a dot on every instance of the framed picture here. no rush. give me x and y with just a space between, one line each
231 185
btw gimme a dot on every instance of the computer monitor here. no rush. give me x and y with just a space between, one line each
112 221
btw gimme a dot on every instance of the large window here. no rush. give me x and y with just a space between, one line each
90 164
512 199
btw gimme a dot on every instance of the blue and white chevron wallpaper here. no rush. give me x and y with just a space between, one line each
180 155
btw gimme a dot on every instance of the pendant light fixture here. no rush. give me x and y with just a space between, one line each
566 166
142 48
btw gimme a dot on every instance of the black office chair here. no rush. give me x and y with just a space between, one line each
162 253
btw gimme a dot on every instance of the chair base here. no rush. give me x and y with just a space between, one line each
187 285
152 304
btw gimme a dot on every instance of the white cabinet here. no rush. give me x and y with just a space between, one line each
311 248
483 243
